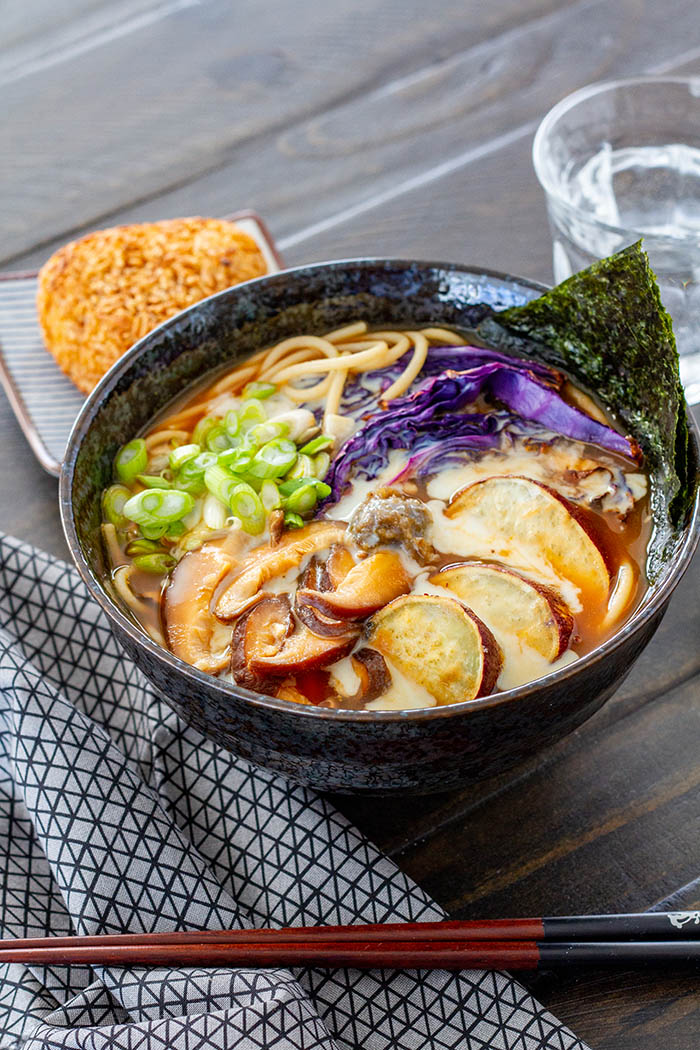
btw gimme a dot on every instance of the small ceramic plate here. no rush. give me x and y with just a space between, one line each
44 400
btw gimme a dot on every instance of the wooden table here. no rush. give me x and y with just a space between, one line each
359 127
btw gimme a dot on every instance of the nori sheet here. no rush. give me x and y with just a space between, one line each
606 327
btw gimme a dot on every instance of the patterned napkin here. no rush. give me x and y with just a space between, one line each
114 817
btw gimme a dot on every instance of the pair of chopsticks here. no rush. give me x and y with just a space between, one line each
522 944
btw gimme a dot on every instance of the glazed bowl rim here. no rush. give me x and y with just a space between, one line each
646 611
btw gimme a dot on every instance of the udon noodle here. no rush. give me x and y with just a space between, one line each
377 518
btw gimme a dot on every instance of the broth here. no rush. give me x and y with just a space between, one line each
484 548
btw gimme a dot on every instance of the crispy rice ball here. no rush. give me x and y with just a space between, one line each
99 294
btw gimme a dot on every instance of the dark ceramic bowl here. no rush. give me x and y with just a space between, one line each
352 751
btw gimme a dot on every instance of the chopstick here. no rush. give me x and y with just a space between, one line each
500 943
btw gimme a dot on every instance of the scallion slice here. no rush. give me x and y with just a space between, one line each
303 468
220 483
131 460
155 507
180 456
292 520
302 500
157 563
154 481
251 413
317 444
270 496
199 434
274 459
321 464
218 438
113 500
246 505
259 390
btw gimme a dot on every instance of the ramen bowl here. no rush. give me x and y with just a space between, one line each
380 752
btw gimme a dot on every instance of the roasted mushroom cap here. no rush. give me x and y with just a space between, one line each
303 651
259 633
317 578
192 631
368 586
266 562
388 516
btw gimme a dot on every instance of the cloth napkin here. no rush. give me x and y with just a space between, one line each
115 817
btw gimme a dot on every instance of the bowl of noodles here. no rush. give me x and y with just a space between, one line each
388 526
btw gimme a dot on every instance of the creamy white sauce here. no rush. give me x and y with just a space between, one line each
402 694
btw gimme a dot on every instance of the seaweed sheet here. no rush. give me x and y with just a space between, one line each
607 327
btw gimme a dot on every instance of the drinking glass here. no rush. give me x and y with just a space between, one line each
621 160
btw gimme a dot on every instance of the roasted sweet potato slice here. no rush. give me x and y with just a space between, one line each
509 603
192 631
518 514
439 644
266 562
368 586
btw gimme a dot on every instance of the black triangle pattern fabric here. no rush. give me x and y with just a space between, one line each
115 817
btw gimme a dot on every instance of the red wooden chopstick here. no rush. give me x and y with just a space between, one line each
453 944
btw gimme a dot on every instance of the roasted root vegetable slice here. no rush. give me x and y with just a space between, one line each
302 651
439 644
192 631
509 603
258 634
368 586
521 515
267 562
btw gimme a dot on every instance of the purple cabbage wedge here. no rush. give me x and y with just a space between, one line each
432 414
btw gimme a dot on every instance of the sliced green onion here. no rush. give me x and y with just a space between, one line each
317 444
142 546
220 483
246 505
232 422
153 532
132 459
154 481
270 496
250 413
113 500
290 485
176 530
259 390
274 459
180 456
214 512
293 521
155 563
264 432
199 434
321 464
303 468
303 500
218 439
158 506
236 459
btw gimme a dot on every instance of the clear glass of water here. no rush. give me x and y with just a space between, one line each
619 161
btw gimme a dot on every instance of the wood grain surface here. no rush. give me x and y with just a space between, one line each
402 128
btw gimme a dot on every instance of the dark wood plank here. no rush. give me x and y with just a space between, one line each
449 100
151 109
